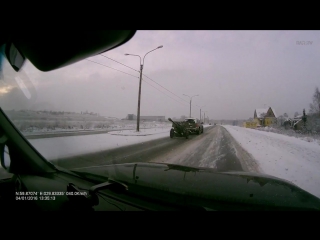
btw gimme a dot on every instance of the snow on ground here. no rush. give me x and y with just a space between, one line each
147 125
309 137
58 147
290 158
142 132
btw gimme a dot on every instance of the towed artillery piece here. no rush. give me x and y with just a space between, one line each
179 129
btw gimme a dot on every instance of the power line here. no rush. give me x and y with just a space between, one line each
142 79
165 88
146 77
119 63
163 92
112 68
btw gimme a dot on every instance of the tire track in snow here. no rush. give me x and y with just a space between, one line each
211 149
247 161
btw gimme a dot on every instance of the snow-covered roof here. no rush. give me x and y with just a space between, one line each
261 111
297 122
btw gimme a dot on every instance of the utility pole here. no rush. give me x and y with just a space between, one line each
190 101
139 97
204 118
200 111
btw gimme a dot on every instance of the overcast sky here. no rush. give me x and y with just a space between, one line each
233 72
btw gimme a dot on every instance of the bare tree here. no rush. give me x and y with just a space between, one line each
315 106
281 120
313 118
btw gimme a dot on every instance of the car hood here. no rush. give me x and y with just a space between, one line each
239 187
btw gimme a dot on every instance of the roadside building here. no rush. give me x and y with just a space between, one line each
265 116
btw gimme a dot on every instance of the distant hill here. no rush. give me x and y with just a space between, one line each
52 115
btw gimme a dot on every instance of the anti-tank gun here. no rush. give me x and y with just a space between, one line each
179 129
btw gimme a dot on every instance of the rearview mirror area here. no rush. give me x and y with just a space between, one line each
14 56
48 51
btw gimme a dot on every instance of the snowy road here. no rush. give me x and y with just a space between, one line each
215 148
290 158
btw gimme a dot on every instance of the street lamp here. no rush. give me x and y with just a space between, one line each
200 111
139 96
190 101
204 117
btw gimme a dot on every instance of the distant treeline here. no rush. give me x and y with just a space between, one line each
53 112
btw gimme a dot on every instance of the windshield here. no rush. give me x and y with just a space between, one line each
190 120
256 94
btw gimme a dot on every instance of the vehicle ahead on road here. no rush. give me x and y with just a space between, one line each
31 182
194 126
179 129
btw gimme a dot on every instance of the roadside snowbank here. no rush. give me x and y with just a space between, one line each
311 137
290 158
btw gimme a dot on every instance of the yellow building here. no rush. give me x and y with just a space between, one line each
252 124
265 116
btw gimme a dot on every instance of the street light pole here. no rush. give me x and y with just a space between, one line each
200 111
204 118
139 95
190 101
139 99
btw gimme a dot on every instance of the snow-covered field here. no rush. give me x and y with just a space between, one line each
309 137
290 158
59 147
116 125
